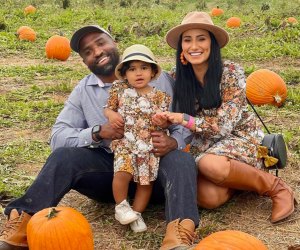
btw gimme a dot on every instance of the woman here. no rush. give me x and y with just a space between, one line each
210 96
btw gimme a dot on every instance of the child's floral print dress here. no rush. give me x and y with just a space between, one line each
132 152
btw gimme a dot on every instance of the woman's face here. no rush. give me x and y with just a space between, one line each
196 46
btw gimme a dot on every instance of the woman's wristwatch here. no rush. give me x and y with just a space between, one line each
185 119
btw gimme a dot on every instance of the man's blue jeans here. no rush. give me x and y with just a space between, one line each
90 172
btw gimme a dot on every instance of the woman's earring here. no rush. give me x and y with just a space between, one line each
183 59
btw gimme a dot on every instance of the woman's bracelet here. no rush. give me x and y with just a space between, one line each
188 121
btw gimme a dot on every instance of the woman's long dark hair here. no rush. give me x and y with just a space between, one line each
189 95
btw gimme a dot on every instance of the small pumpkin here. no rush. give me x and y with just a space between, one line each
26 33
233 22
60 228
230 240
292 20
264 86
217 11
29 10
58 47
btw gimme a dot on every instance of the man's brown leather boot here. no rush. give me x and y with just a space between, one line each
180 235
13 235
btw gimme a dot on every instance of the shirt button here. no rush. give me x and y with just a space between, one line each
85 142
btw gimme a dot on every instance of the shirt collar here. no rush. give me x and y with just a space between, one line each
100 83
94 80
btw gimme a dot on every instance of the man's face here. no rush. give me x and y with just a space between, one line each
99 52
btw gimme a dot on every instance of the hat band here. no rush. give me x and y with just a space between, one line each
138 54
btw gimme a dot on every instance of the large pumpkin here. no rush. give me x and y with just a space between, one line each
233 22
58 47
26 33
230 240
266 87
60 228
217 11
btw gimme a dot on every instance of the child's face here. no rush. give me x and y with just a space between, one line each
139 74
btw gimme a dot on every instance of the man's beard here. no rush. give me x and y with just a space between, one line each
109 68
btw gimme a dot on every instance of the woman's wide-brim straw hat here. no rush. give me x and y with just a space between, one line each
197 20
137 52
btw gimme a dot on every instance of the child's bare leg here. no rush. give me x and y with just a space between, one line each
120 186
142 197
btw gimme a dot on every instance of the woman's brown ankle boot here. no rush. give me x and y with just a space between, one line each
245 177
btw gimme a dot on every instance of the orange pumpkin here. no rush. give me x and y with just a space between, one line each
29 10
26 33
58 47
217 11
60 228
292 20
22 28
230 240
233 22
264 86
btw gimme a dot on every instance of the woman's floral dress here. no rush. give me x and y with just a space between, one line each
132 152
230 130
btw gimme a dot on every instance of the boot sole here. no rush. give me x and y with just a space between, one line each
139 231
125 222
7 245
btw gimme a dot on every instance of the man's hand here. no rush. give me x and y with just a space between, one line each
162 143
115 119
108 132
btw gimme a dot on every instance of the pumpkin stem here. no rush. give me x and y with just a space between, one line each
52 213
277 98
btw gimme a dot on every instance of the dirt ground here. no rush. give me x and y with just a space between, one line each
246 211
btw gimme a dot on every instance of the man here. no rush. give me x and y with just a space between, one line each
81 158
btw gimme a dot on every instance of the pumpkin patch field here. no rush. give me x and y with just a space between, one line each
38 72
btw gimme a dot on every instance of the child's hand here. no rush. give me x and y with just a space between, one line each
175 118
160 120
116 120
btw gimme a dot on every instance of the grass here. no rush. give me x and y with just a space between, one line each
256 36
33 88
30 106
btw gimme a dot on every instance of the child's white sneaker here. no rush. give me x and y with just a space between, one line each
124 213
138 225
